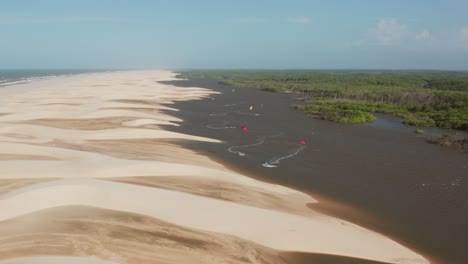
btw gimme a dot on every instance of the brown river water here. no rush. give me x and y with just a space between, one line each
380 175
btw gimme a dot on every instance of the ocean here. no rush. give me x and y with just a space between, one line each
15 77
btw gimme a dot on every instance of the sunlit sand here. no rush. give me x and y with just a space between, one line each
86 170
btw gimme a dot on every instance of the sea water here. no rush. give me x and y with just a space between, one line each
15 77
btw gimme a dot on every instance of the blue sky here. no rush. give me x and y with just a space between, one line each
381 34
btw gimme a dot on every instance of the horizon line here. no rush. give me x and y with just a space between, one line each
235 69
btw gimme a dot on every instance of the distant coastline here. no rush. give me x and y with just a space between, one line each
10 77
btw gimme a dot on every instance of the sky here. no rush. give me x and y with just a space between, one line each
241 34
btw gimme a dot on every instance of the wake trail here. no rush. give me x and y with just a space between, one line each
273 163
218 114
234 112
234 104
232 149
244 113
224 125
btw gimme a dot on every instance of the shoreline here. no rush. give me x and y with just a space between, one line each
331 207
101 147
401 231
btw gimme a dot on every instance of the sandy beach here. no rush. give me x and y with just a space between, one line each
88 172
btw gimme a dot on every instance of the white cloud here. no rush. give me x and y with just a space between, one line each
424 35
389 32
299 20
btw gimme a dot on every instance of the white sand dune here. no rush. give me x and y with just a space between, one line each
140 122
57 260
86 131
48 134
274 229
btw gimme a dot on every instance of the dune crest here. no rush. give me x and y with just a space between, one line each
86 170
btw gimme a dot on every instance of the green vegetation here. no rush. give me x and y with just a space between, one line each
337 112
449 141
421 98
419 131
